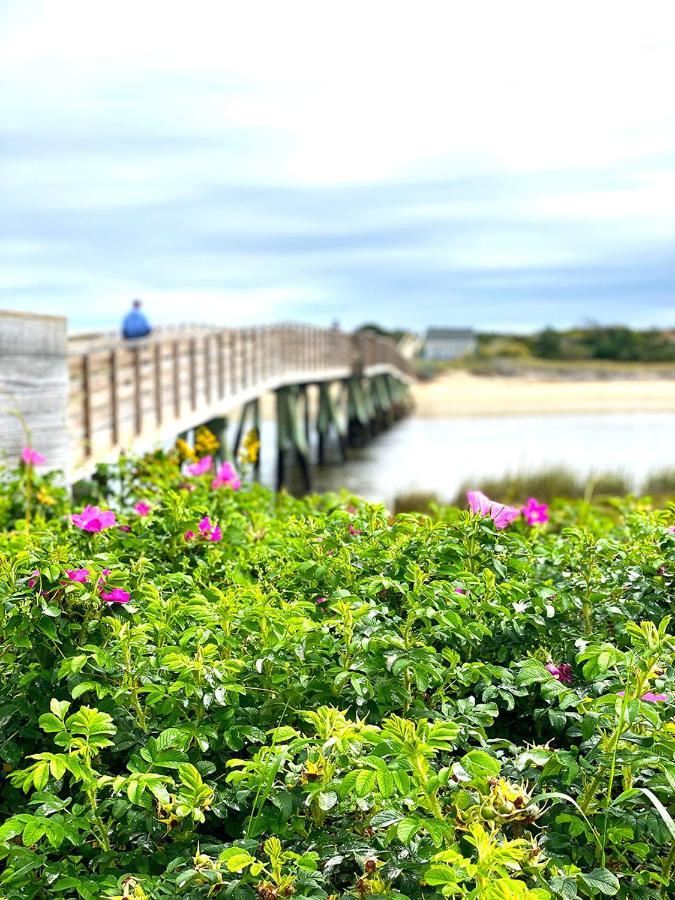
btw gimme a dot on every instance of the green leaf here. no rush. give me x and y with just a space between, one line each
365 781
406 830
385 782
479 764
601 880
236 859
33 831
385 818
440 874
327 800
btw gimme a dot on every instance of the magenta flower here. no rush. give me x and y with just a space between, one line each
320 600
500 513
535 513
672 529
649 697
354 531
32 457
460 590
79 575
201 467
188 536
93 519
561 672
208 530
125 528
116 595
226 476
34 578
142 508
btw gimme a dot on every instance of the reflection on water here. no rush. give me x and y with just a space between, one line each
439 454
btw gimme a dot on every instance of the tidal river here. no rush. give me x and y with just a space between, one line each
439 454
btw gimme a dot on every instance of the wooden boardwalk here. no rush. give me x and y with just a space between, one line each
133 395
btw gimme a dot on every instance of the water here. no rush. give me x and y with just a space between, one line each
438 455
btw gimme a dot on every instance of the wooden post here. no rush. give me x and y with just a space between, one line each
114 400
138 399
86 401
220 350
176 379
207 369
158 382
193 374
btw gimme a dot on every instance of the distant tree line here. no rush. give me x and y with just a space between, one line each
596 342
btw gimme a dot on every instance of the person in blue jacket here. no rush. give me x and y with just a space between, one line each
135 325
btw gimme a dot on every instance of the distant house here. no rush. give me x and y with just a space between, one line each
448 343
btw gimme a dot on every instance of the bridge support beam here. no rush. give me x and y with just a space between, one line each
291 435
330 416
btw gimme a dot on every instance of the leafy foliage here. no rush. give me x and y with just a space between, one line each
328 702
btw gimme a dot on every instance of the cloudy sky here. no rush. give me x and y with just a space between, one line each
504 165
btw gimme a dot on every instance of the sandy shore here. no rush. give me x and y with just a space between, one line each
461 394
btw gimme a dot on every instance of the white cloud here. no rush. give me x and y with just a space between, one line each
547 132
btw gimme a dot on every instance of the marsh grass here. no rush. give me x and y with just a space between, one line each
544 484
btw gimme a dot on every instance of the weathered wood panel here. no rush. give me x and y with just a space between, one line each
33 386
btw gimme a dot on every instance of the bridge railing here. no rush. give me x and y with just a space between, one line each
136 393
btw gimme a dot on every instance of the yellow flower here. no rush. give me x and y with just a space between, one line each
206 443
185 451
251 447
44 498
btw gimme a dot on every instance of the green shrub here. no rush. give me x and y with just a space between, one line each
237 693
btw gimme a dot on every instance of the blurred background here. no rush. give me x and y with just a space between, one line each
488 187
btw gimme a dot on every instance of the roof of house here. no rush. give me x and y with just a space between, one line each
454 334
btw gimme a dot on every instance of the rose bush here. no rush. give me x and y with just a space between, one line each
306 698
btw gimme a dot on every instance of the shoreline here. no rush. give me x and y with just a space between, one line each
460 394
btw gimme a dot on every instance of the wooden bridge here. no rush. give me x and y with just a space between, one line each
134 395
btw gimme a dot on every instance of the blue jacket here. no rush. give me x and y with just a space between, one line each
135 324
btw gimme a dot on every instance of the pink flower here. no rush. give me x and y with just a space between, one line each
116 595
649 697
125 528
460 590
142 508
32 457
93 519
208 530
79 575
320 600
34 578
354 531
562 672
188 536
226 475
500 513
535 513
200 467
672 529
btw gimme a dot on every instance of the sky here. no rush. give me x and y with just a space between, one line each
499 165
